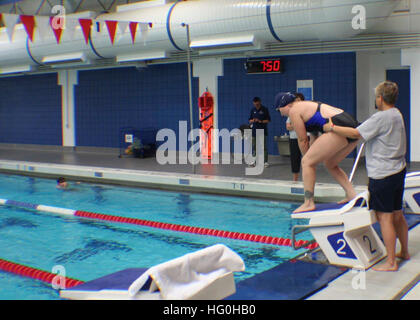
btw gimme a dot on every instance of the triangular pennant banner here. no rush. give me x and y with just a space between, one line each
29 23
122 25
43 26
144 28
58 22
56 29
71 25
86 25
10 21
133 30
112 29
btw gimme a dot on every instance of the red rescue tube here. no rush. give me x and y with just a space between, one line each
206 106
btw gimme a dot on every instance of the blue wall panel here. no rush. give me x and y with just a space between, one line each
30 110
155 97
334 77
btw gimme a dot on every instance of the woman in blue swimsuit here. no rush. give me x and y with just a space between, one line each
329 148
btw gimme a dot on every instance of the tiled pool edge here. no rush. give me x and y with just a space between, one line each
261 188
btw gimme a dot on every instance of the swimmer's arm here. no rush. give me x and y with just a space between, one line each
299 127
346 132
312 139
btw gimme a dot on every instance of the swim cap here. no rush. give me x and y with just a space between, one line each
283 99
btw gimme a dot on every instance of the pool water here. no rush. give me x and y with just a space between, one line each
88 249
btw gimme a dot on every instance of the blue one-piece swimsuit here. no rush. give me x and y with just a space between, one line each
316 123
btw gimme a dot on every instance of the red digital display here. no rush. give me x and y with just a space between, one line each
264 66
271 65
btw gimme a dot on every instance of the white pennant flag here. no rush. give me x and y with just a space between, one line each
43 26
71 25
122 26
10 21
144 28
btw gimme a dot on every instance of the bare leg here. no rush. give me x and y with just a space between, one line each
339 175
330 148
389 235
295 176
401 229
308 176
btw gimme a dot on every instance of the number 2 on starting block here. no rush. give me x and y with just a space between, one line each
340 246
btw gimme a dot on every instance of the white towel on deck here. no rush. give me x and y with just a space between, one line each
182 277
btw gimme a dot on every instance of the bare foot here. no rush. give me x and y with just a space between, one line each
347 199
343 201
404 256
305 207
386 267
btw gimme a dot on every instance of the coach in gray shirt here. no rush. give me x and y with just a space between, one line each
384 133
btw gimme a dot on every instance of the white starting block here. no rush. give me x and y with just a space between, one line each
345 233
412 192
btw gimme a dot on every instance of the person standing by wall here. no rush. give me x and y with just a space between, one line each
258 119
385 136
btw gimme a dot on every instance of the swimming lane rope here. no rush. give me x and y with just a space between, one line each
162 225
37 274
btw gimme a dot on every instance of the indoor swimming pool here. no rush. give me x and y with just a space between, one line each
87 249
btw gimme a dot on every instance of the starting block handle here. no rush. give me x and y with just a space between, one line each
305 227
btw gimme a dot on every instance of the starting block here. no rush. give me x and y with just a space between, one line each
345 233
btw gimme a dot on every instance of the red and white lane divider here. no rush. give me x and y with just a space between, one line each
38 274
162 225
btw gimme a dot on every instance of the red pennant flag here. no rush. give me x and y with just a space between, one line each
57 31
1 16
133 30
29 23
112 29
86 25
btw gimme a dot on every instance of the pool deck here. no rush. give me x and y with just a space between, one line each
104 165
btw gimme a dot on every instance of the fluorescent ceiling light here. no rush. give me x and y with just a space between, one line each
66 59
15 69
151 55
232 42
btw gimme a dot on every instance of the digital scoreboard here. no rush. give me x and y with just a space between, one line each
264 66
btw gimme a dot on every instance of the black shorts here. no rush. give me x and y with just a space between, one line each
386 195
295 155
345 120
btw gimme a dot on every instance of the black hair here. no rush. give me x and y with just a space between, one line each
256 99
61 180
299 95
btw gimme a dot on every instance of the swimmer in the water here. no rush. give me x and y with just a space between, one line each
329 148
62 183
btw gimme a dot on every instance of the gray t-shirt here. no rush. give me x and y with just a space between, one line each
384 133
